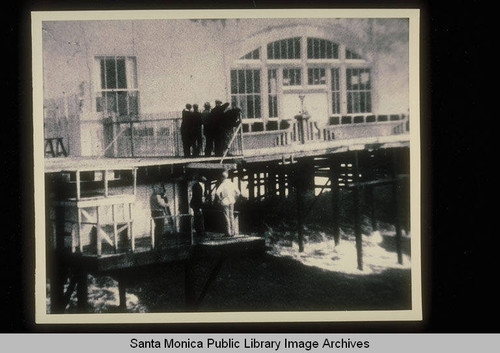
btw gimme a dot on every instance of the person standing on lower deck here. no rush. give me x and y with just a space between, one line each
159 211
226 194
197 196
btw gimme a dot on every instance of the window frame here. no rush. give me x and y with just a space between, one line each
332 65
103 92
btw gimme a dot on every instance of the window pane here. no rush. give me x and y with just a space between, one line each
250 107
271 81
103 73
110 102
256 75
359 90
241 81
234 82
284 49
249 81
368 102
257 106
270 51
122 103
133 103
297 48
277 52
110 73
322 48
316 76
121 73
335 103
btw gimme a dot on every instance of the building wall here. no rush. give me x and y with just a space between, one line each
181 61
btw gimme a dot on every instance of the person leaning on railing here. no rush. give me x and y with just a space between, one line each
232 118
218 121
159 209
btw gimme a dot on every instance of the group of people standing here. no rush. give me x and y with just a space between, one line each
225 196
216 124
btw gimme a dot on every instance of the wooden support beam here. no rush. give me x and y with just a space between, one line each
79 221
299 180
213 275
57 273
251 187
357 214
122 292
396 203
98 233
371 202
82 291
334 170
282 181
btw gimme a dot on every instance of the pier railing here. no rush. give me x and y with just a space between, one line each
98 238
134 137
159 135
340 128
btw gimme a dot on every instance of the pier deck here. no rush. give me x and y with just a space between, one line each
212 245
54 165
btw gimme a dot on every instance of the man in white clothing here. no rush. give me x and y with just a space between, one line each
227 193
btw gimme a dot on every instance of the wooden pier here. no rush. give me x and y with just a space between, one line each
356 165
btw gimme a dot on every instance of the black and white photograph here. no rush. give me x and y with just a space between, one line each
226 166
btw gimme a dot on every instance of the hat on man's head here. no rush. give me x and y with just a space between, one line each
206 105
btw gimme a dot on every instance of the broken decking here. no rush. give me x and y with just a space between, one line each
214 247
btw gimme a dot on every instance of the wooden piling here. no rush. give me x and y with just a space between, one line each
335 199
396 203
299 188
82 291
357 213
251 185
57 273
122 292
371 203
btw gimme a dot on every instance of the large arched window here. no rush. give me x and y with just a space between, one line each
282 78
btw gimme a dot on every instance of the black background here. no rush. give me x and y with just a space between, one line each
459 154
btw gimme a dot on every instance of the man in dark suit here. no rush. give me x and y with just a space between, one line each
208 129
218 121
186 130
196 205
232 118
196 138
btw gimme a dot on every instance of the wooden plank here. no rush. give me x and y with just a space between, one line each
211 166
